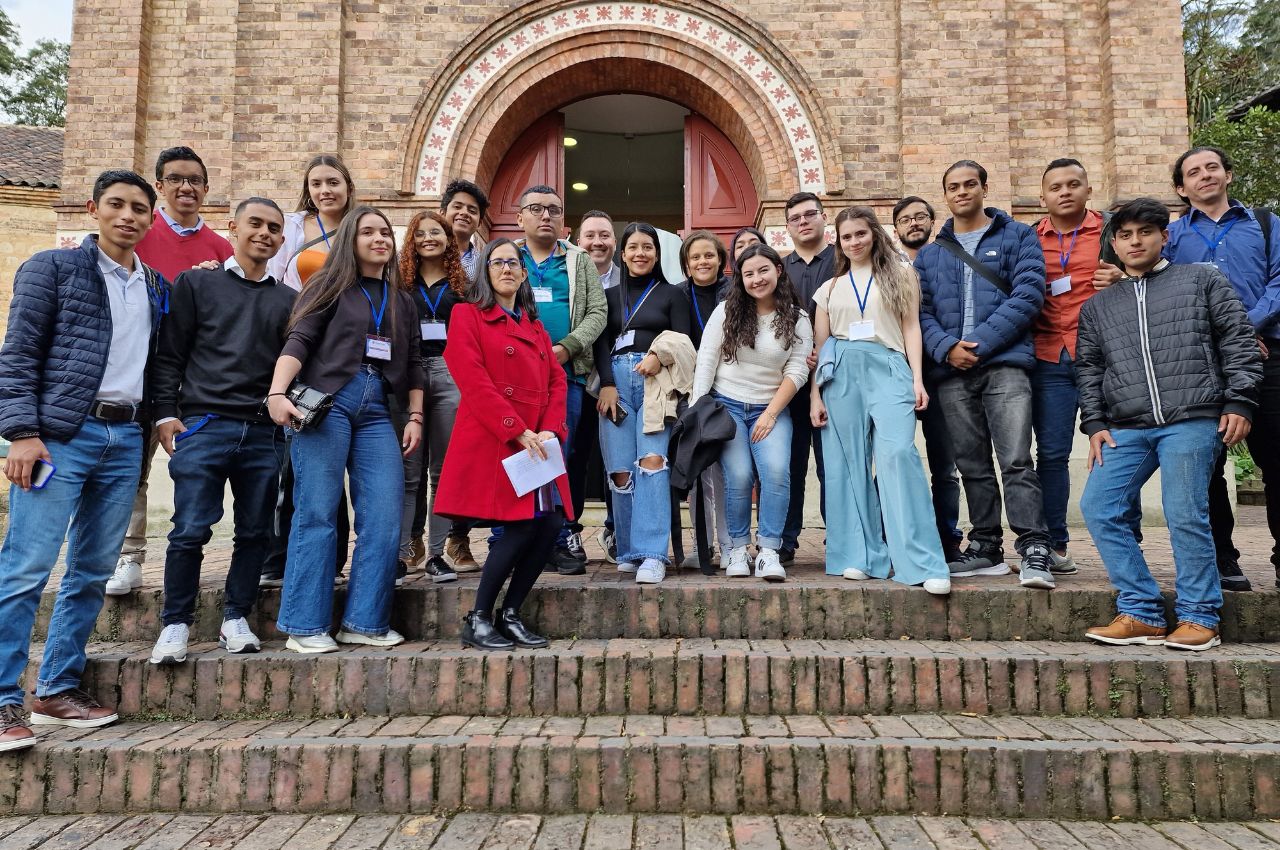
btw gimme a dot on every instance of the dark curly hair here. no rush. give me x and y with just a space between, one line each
741 321
452 259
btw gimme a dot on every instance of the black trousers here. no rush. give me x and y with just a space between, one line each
1264 446
519 553
586 446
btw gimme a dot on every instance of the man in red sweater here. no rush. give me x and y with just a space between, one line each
177 241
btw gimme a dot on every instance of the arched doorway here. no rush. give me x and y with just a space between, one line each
635 157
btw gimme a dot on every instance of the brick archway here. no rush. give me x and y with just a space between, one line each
709 61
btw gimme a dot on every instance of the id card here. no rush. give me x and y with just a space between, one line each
432 330
377 347
866 329
1061 285
625 340
543 295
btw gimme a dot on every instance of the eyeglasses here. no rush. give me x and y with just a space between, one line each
498 264
176 180
918 218
809 215
536 210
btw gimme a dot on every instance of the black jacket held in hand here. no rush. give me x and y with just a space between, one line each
1170 346
697 440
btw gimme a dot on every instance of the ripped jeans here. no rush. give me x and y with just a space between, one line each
641 507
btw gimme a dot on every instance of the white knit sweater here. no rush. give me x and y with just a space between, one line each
756 373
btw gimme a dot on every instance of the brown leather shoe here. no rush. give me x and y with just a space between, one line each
1125 630
73 708
417 552
15 734
458 551
1193 636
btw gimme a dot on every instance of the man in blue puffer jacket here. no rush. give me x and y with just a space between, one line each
981 287
82 325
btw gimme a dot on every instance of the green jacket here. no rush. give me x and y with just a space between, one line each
588 311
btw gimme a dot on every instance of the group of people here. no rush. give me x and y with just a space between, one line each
308 353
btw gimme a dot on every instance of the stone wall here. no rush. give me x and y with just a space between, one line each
28 224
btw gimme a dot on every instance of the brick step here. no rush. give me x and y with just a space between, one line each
811 608
836 765
695 676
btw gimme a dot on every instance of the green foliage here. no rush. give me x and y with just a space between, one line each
1245 467
36 90
1231 52
1254 144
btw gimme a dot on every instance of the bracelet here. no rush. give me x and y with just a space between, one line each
418 420
269 395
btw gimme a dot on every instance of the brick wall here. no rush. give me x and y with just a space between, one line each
27 225
897 90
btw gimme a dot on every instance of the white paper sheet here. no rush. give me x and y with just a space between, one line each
528 474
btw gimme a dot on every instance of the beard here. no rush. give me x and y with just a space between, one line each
916 240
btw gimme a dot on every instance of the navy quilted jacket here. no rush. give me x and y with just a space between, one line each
1001 323
55 349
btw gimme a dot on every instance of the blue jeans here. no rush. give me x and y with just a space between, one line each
205 457
641 506
1054 401
745 462
92 491
356 437
1185 454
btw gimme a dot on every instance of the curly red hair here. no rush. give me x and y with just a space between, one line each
452 259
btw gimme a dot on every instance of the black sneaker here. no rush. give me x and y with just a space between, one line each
574 546
402 570
271 579
566 563
979 560
786 556
438 570
1232 578
609 543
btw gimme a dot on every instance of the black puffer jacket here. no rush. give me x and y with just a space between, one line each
1171 346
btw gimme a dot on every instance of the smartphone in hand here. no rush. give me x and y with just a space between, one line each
41 472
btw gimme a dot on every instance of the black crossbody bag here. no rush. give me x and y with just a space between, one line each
977 265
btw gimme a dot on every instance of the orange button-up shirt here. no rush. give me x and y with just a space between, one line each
1055 327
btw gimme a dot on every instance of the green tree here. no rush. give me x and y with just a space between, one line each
1221 70
36 90
1254 144
9 44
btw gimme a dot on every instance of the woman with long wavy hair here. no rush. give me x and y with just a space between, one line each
354 334
752 360
431 265
870 383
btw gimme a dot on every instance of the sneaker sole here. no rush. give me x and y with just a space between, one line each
993 570
1198 648
443 579
46 720
1136 641
115 592
627 568
1037 583
353 639
20 744
271 582
305 650
1239 585
166 660
463 568
745 572
648 580
247 649
773 579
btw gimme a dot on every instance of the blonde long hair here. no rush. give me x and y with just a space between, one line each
899 286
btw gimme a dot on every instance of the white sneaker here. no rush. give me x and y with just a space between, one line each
854 574
171 648
126 579
768 567
391 638
937 586
236 637
652 571
627 567
311 644
737 566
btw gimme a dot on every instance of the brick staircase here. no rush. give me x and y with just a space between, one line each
702 696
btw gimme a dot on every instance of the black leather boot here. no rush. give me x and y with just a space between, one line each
509 626
478 632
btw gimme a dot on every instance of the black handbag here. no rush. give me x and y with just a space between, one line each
311 403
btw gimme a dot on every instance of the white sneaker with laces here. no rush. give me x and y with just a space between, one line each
652 571
627 567
311 644
171 648
769 567
855 574
236 637
391 638
126 579
737 567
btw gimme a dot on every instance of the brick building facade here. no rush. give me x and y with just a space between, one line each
860 101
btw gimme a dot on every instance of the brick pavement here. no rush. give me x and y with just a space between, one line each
470 831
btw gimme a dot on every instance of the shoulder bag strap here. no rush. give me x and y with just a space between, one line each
978 267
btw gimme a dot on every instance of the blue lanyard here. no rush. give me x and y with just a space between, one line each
380 312
430 306
325 234
697 311
627 311
1065 257
537 270
1213 246
862 299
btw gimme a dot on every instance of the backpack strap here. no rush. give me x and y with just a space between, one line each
1264 217
978 266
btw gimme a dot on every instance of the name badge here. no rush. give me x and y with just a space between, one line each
626 340
866 329
432 330
1061 285
377 347
543 295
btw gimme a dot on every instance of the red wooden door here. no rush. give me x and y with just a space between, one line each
536 158
719 194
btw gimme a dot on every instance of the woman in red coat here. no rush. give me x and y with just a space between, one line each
513 398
